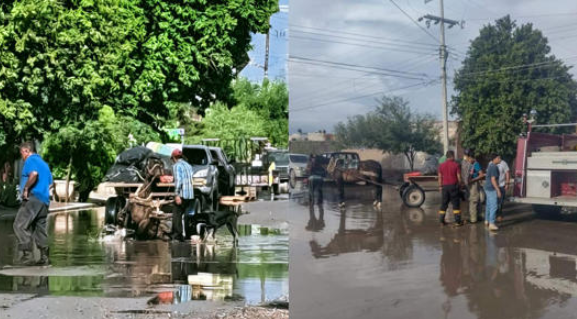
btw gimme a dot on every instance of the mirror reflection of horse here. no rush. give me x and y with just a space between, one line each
352 240
346 167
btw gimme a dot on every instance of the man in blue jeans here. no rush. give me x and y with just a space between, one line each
492 192
30 221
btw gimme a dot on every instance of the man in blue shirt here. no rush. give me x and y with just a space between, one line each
30 222
184 189
492 191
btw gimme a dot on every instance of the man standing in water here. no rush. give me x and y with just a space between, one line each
182 172
449 184
30 223
493 192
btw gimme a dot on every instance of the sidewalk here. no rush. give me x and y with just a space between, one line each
10 213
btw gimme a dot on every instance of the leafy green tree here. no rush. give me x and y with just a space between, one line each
509 71
270 101
62 61
194 49
235 124
88 149
391 127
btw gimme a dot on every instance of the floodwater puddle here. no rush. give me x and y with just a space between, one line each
361 262
82 265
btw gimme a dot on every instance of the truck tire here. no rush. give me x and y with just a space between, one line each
292 178
414 196
547 211
112 207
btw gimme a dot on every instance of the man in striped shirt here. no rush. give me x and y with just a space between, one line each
182 172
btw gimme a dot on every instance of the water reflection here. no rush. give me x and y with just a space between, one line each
84 265
348 240
363 263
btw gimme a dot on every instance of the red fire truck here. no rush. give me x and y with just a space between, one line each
546 169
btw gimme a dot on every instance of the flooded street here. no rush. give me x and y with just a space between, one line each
361 262
160 273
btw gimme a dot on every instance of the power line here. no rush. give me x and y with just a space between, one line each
362 96
334 31
328 90
532 16
383 71
413 20
390 48
517 67
418 46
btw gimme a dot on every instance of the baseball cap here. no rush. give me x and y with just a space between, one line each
176 153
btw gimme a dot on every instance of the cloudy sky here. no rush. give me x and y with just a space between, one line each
344 54
278 49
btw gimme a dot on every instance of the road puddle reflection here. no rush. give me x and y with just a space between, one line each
84 265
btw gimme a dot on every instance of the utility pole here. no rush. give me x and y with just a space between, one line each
266 54
443 55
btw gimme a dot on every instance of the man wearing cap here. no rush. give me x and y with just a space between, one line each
184 189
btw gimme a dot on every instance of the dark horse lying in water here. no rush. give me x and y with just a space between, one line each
346 167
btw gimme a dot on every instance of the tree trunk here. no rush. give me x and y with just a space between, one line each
410 159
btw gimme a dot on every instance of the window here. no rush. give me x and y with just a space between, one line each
195 156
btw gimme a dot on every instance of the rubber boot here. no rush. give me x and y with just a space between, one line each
27 259
442 218
44 261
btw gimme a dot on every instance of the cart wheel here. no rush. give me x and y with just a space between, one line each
414 196
292 178
113 206
416 215
404 188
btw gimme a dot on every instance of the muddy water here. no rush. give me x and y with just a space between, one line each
85 265
360 262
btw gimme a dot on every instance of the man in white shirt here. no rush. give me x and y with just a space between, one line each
504 179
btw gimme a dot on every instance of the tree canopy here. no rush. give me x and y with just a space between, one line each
391 127
62 61
270 101
509 71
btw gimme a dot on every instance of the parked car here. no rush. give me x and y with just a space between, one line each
281 160
297 167
227 172
206 174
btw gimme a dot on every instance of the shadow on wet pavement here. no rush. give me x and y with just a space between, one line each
398 262
169 273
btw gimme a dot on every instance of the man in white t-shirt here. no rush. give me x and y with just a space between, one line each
504 178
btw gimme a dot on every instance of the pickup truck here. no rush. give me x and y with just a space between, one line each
546 170
226 171
206 173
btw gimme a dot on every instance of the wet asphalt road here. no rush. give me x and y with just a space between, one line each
361 262
84 265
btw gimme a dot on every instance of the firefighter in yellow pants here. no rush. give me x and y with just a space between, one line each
449 184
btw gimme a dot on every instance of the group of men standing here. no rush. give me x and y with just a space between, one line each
468 177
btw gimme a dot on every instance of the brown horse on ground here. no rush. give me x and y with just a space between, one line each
346 167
